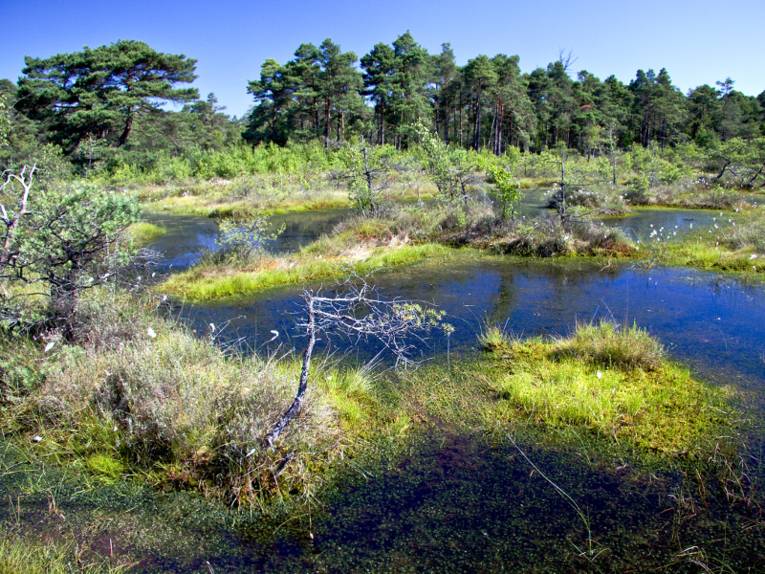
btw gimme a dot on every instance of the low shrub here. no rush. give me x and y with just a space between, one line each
160 402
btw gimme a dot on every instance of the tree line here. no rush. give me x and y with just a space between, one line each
107 104
487 103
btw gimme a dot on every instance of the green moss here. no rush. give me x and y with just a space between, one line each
608 394
143 232
613 383
203 285
106 466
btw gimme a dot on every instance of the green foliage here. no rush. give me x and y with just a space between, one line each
739 163
365 173
450 168
300 160
5 121
241 241
507 191
70 227
319 88
102 106
98 93
67 241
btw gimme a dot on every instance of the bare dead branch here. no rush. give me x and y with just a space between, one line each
359 314
11 220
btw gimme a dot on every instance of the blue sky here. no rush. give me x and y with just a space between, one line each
697 41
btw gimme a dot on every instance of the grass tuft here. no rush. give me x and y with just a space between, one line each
494 339
614 382
24 555
611 345
143 233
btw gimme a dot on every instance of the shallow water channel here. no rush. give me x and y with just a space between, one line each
714 323
433 505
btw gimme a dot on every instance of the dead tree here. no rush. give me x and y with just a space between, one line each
11 219
562 207
358 314
366 177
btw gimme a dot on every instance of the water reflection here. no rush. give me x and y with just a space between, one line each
189 237
714 324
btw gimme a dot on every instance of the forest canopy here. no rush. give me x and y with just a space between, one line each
107 106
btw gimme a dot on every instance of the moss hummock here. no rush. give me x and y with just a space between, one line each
611 383
143 233
203 284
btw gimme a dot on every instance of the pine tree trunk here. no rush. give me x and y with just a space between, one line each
476 126
126 130
327 120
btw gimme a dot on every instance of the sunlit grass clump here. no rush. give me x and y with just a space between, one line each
611 345
202 284
24 555
612 382
144 232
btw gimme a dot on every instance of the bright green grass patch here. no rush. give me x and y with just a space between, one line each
611 382
200 285
21 555
105 466
702 255
351 392
143 232
210 207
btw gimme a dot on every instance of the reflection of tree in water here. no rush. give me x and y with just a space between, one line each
303 227
505 300
578 292
551 286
